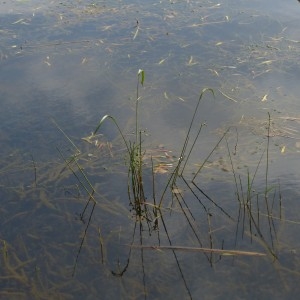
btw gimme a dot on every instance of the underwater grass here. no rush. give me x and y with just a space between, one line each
244 183
152 209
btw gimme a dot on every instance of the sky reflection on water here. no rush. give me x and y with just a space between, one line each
75 61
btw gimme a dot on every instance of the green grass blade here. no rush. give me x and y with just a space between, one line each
119 129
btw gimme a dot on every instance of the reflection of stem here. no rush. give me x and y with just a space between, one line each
195 195
83 238
186 215
142 259
175 256
280 202
34 168
121 272
237 227
260 233
210 236
101 245
211 200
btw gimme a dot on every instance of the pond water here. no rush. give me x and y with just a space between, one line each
227 227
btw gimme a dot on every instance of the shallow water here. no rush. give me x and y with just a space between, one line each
71 62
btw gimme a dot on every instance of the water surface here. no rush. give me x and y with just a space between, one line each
65 64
